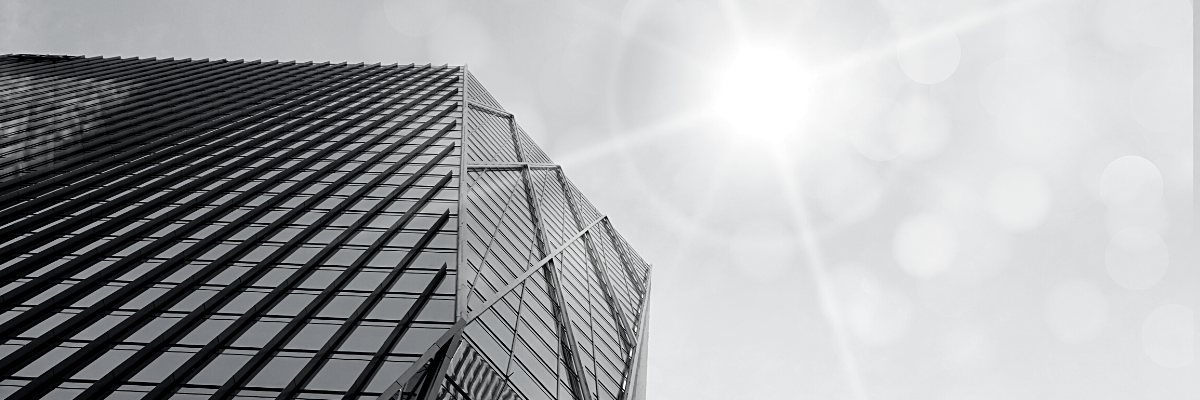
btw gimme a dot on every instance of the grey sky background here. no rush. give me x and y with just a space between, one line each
958 199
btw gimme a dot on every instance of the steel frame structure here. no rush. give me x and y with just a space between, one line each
231 229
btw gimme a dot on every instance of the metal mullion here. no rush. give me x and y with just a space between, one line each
493 149
80 69
487 250
517 323
230 77
631 362
214 145
597 266
566 333
198 74
55 127
99 252
218 300
142 281
167 78
158 76
592 322
142 152
238 70
625 263
566 336
124 198
625 291
197 108
20 66
193 87
313 76
114 71
510 165
36 85
490 110
38 66
439 373
512 344
209 123
141 109
463 186
125 326
252 366
402 327
463 321
11 66
367 304
190 366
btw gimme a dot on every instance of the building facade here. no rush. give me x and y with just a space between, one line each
229 229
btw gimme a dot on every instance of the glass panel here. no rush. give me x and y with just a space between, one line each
259 334
416 340
337 375
391 308
161 367
312 337
278 372
366 339
341 306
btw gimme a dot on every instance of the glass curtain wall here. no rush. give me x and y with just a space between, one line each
243 229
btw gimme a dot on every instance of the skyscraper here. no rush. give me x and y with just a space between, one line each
228 229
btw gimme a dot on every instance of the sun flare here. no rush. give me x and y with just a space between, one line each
761 93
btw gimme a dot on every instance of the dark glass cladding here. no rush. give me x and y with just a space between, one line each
229 229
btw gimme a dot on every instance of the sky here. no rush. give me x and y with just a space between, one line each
845 199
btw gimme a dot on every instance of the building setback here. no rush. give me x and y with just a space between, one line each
229 229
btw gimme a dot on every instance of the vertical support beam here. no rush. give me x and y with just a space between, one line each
633 367
562 320
568 346
461 301
512 130
597 267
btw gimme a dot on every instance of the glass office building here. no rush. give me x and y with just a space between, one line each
228 229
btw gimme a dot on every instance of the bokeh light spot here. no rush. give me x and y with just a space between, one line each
1136 258
1168 336
1131 180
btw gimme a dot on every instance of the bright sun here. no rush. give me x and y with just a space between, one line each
761 93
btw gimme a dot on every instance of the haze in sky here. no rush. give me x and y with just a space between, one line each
842 199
